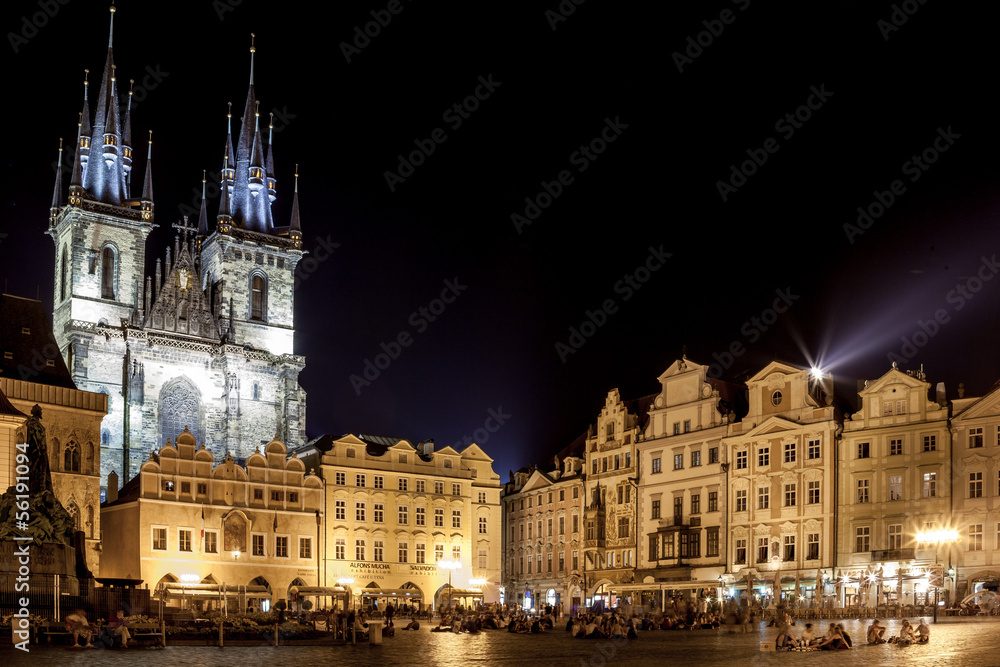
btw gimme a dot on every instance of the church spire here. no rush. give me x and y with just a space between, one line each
147 184
83 136
269 163
203 212
127 144
57 191
294 228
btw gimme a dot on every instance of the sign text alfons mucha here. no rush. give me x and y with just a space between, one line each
392 568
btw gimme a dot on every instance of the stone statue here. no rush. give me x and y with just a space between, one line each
39 478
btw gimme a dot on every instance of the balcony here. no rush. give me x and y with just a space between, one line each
884 555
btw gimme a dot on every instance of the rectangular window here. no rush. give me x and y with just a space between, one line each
741 460
895 487
456 489
975 437
484 557
576 560
184 539
895 535
360 480
812 546
763 497
741 500
623 527
341 479
594 466
790 495
548 525
277 496
281 546
439 488
403 515
339 547
762 549
814 449
562 525
403 483
482 525
656 465
789 548
359 511
763 457
901 407
813 489
789 452
690 545
976 537
576 523
378 510
930 443
258 494
305 548
439 518
159 539
456 519
677 428
862 539
186 487
976 485
863 491
712 542
713 501
202 489
740 554
211 542
695 459
341 510
668 545
678 509
421 518
258 545
379 481
678 461
895 446
864 450
887 409
617 462
713 454
378 556
687 425
421 552
404 552
930 484
656 509
421 486
456 555
359 550
482 497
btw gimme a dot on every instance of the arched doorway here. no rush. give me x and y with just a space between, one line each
259 597
294 601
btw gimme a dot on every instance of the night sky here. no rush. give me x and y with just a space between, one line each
623 135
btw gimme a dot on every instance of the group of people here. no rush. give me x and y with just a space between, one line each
907 633
599 626
836 637
79 628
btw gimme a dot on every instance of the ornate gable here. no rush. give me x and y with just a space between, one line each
181 305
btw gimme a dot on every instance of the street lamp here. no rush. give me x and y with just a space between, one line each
451 566
937 538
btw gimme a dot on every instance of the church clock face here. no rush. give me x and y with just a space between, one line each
182 278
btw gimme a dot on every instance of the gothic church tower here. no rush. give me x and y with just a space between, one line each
206 342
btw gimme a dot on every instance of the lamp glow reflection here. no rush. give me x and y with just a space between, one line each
451 566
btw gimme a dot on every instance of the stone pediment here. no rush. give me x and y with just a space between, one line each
893 377
537 480
181 305
987 406
775 367
773 426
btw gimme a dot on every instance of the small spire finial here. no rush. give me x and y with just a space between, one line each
296 178
253 50
111 32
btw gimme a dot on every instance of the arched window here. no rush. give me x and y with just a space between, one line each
258 298
108 268
63 275
71 457
105 436
74 513
179 406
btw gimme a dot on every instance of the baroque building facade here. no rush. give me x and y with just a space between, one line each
543 512
205 342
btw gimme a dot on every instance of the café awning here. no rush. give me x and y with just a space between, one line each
411 593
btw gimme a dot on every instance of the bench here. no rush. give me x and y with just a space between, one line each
46 631
145 632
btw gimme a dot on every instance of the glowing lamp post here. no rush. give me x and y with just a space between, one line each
937 538
451 566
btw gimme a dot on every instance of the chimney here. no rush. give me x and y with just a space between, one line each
941 398
112 486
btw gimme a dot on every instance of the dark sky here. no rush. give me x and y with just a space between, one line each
880 95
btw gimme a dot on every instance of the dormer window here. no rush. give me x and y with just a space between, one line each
776 398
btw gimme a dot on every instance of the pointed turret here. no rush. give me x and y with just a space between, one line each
202 213
127 144
146 202
102 178
75 178
224 220
269 163
229 157
84 133
256 180
57 191
294 228
241 205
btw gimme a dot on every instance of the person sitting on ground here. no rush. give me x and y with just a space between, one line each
906 635
923 632
834 639
875 632
808 636
784 639
414 624
389 631
77 625
846 636
118 627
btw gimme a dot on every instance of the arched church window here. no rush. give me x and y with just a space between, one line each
179 407
63 274
258 297
108 261
71 457
105 436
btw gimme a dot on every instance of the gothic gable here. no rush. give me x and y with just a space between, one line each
181 305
